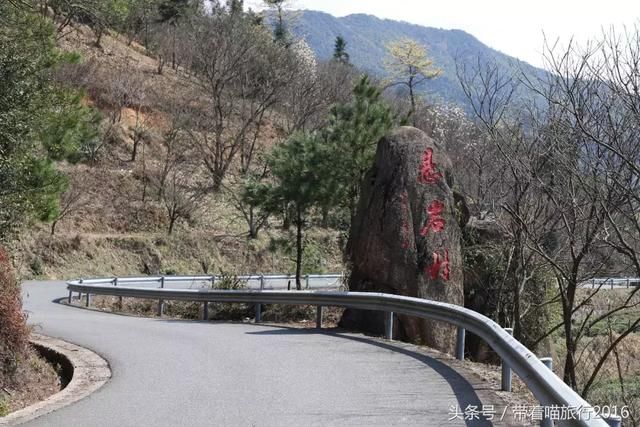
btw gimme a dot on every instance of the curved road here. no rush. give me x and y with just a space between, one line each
186 373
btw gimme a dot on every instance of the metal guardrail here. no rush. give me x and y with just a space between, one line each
611 283
261 281
550 390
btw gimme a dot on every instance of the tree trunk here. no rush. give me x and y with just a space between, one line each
160 64
99 38
298 249
519 275
173 50
172 223
253 227
413 101
569 363
53 227
134 154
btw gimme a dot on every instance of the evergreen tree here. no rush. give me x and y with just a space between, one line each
235 6
353 133
340 51
280 32
39 121
299 169
171 11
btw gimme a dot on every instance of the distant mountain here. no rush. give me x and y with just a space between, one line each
368 35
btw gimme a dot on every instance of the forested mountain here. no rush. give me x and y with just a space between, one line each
367 35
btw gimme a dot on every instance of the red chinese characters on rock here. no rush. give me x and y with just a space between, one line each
435 222
428 172
440 266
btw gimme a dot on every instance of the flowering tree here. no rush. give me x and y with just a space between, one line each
408 65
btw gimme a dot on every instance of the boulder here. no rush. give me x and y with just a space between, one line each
405 238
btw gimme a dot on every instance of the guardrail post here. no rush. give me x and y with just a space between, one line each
388 325
205 310
161 302
506 369
460 343
546 421
70 295
258 318
115 283
628 283
87 303
318 317
80 293
306 281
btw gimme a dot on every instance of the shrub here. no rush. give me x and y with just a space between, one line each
36 266
4 408
226 311
13 326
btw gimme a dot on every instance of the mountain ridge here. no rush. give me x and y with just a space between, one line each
367 35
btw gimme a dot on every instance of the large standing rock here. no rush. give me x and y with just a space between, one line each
405 238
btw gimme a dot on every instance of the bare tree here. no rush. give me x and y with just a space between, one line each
571 156
70 201
240 78
490 93
180 196
176 179
306 100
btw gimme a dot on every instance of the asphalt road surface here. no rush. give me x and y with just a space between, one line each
186 373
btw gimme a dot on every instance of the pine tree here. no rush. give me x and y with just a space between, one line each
299 170
171 11
340 51
39 121
235 6
280 32
353 133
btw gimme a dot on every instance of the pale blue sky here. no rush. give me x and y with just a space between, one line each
514 27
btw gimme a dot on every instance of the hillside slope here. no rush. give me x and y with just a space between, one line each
116 224
367 35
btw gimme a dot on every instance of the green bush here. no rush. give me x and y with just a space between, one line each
36 266
4 408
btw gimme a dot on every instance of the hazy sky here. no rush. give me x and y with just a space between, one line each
514 27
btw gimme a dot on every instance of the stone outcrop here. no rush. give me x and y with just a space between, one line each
405 238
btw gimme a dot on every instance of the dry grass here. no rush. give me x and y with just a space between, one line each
34 380
120 226
84 255
14 333
25 378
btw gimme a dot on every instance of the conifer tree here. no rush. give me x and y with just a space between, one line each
280 32
299 169
40 122
340 50
353 132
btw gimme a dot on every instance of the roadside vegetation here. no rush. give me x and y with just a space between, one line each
160 137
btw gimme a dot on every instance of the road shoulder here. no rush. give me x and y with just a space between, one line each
87 372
